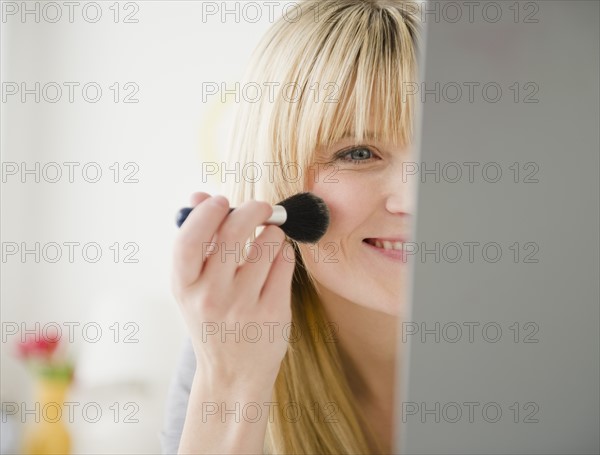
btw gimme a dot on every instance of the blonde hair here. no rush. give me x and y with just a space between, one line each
359 54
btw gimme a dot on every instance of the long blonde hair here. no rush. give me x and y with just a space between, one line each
330 68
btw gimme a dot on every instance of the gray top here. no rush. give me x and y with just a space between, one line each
177 400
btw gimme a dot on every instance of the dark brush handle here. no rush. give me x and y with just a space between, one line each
184 213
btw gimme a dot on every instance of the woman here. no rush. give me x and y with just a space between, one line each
328 386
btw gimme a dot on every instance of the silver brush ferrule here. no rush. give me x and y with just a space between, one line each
278 217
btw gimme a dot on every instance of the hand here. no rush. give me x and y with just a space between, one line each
236 313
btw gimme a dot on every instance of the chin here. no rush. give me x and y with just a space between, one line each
390 306
388 303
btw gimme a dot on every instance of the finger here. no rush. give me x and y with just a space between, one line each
277 289
197 198
260 258
220 267
194 239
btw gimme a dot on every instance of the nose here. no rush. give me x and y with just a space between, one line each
400 191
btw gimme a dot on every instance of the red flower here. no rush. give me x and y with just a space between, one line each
40 357
38 347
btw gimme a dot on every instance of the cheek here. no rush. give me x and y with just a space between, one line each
347 200
332 260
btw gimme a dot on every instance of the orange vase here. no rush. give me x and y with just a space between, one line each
50 435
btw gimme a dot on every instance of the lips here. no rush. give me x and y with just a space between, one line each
388 244
390 248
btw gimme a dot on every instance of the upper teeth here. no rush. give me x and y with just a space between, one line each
387 245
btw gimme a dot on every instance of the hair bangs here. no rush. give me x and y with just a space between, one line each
366 85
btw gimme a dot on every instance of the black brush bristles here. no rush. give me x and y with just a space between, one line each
307 217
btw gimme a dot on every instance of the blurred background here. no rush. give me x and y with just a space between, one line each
115 91
110 109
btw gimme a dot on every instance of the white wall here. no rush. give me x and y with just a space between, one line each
168 54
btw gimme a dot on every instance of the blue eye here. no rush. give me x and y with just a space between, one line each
358 155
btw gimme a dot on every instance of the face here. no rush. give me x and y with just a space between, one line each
370 201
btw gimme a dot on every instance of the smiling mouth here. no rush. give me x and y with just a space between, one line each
390 245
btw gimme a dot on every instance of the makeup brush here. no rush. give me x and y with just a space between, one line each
303 217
